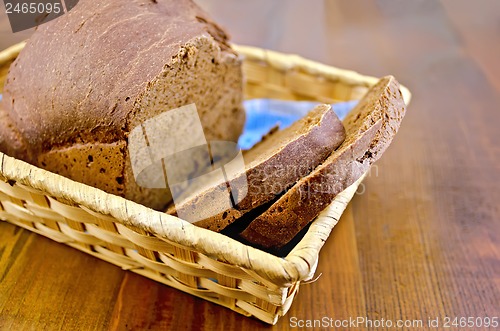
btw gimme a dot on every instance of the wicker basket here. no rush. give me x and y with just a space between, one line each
167 249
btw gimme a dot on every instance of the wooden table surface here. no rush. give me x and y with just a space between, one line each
422 242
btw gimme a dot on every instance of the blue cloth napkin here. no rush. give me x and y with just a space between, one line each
264 114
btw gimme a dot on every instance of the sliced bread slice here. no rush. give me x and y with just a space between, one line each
370 127
271 167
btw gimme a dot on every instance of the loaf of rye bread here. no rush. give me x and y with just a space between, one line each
271 167
11 141
370 128
87 78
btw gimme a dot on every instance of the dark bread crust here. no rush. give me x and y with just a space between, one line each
310 141
11 141
370 127
102 57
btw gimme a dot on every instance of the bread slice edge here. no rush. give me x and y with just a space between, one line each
265 180
370 127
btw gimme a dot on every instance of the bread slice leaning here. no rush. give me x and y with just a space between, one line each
271 167
370 127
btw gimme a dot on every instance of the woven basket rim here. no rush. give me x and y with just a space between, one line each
299 264
284 62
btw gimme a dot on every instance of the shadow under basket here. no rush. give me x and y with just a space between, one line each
167 249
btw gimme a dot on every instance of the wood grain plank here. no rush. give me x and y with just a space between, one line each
143 304
433 207
338 292
478 28
46 285
422 241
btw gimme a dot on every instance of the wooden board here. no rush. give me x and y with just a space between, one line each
422 242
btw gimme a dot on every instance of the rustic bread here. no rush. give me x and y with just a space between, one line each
370 127
86 79
271 167
11 141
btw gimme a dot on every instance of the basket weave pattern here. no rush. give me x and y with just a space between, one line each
165 248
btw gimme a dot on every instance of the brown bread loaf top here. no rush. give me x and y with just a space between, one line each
370 127
271 167
86 79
